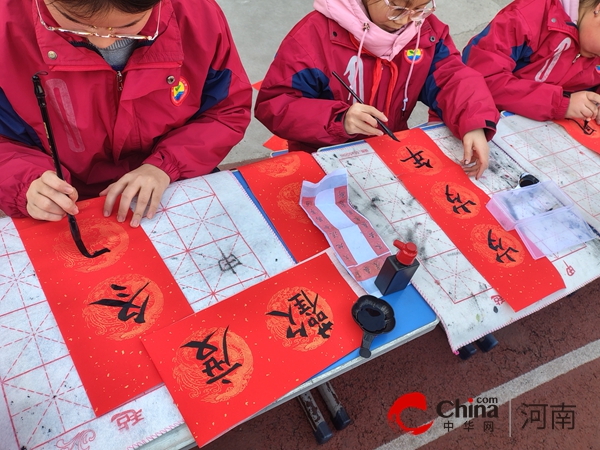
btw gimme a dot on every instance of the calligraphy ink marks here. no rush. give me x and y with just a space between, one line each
456 200
299 318
98 232
123 306
287 201
417 159
498 246
228 263
213 365
587 129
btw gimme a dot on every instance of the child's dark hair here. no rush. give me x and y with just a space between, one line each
89 8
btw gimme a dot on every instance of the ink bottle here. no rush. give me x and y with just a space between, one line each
398 269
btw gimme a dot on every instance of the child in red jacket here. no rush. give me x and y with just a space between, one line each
540 58
392 53
140 93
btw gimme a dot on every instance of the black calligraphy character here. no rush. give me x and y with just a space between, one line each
290 333
587 130
212 364
537 414
499 257
124 315
562 417
318 319
417 159
462 205
304 306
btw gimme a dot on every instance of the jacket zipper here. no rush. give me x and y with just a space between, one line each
577 56
119 89
119 81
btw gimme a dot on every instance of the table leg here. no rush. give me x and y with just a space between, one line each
320 428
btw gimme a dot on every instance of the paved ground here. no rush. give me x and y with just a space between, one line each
550 359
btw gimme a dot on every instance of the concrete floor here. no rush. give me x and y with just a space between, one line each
258 27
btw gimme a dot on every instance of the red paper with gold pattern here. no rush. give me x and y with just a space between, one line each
587 133
276 183
227 362
458 207
103 305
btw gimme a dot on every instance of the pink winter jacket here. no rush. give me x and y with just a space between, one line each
180 103
302 102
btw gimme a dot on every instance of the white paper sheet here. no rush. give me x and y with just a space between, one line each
357 246
200 223
466 304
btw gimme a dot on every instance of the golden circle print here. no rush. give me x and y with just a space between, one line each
456 200
418 159
95 234
299 318
213 365
123 306
281 166
498 246
287 201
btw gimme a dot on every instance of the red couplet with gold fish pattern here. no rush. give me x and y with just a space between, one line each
458 207
104 305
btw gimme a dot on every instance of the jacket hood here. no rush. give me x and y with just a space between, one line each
351 15
572 9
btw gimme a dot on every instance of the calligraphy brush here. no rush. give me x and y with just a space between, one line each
359 100
41 98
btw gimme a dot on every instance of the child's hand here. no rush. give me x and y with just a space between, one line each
50 198
360 119
583 105
477 151
147 182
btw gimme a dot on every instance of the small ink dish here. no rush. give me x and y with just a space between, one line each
374 316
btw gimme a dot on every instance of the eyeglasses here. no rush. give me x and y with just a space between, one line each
416 15
92 33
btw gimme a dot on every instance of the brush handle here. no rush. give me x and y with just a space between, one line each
359 100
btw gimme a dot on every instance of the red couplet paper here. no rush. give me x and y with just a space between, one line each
103 305
458 207
587 132
276 183
227 362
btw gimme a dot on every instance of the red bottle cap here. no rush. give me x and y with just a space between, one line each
406 252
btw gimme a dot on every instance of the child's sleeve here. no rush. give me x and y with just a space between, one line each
21 165
21 158
504 46
295 101
457 93
197 147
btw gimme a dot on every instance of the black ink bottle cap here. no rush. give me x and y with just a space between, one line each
374 316
407 252
526 179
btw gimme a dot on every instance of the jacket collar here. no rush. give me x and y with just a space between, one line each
340 36
558 19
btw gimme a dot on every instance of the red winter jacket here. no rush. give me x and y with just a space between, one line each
181 102
302 102
529 56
